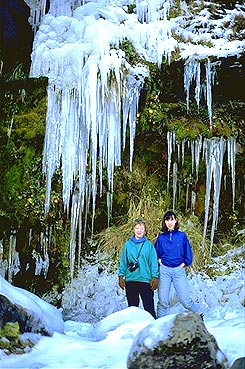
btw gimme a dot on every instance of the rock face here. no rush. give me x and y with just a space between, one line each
239 363
176 342
10 312
32 313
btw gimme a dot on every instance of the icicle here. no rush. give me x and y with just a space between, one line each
231 157
192 72
183 151
42 258
193 201
37 12
178 152
131 88
79 241
13 259
3 263
187 196
109 204
175 182
153 10
192 155
225 182
209 90
170 143
210 80
75 213
214 162
44 247
198 148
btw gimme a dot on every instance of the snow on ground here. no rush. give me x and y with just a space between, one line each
107 342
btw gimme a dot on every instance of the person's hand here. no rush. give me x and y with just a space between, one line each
121 282
154 284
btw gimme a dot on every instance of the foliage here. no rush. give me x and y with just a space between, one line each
131 54
11 341
161 115
16 74
131 8
22 133
22 199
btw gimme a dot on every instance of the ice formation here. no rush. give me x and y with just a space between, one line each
213 151
93 91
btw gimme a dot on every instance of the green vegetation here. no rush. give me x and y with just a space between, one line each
11 341
142 192
22 197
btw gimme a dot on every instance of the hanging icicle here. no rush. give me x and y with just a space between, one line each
213 152
175 183
13 258
231 157
208 90
215 149
171 146
192 72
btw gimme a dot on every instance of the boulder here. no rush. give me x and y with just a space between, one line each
31 312
176 342
239 363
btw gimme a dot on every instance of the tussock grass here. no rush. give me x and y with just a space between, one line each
151 206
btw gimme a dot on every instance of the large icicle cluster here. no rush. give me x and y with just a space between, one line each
212 151
93 91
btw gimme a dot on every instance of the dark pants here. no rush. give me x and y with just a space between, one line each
134 290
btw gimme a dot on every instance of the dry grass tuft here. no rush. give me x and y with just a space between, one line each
149 207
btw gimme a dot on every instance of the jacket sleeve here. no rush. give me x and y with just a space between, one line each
157 246
123 262
187 251
154 263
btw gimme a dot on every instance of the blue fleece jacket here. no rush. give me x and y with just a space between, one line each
173 248
147 262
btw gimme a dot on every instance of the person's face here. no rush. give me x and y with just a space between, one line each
170 223
139 231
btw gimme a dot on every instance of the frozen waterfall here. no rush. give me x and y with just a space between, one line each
93 92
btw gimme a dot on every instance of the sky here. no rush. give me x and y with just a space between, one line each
107 342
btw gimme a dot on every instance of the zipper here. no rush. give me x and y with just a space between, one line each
170 235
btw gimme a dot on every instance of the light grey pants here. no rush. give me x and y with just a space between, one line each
178 277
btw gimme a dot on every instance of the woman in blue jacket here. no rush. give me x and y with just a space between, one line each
138 269
174 253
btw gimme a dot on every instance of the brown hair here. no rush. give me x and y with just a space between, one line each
169 215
